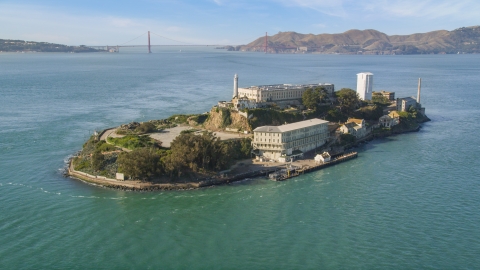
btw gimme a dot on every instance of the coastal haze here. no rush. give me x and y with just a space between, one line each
407 201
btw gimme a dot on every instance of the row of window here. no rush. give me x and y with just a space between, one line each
307 140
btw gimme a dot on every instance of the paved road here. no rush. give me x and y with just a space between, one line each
166 136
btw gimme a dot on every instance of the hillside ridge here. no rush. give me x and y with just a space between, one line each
370 41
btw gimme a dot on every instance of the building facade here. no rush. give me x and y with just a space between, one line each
280 92
245 103
403 104
365 85
281 142
389 120
354 126
389 95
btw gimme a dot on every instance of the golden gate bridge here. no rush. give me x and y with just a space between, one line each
264 47
149 46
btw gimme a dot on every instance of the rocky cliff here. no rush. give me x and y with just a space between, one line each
221 119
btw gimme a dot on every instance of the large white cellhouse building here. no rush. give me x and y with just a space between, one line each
365 85
275 142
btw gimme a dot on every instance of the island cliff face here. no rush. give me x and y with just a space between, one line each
462 40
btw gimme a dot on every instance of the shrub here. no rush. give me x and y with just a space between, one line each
146 127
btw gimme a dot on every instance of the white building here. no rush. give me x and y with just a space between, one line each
289 140
245 103
322 158
365 85
354 126
404 104
280 92
389 120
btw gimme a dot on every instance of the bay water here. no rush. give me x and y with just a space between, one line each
408 201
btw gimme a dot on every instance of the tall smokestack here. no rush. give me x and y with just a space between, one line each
419 88
235 85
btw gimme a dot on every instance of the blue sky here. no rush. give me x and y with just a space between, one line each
222 21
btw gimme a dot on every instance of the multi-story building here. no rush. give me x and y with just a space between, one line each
283 142
280 92
365 85
403 104
389 95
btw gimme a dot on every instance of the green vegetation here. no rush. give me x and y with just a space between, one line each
311 97
203 153
262 117
97 158
103 146
408 121
348 100
369 112
347 139
146 127
189 155
141 163
179 118
226 120
192 130
335 115
134 141
380 100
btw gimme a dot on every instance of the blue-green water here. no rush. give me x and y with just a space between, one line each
409 201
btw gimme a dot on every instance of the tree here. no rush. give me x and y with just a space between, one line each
141 163
321 93
380 100
348 100
308 99
200 153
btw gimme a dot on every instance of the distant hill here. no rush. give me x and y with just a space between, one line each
8 45
462 40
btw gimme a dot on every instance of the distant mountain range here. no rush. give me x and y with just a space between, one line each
9 45
462 40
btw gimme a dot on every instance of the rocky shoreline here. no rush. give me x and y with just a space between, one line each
130 185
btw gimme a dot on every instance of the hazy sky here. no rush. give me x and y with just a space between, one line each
221 21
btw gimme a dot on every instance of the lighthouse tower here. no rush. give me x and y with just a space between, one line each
235 85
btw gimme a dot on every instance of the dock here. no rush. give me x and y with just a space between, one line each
293 171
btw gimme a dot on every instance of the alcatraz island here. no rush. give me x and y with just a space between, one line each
276 131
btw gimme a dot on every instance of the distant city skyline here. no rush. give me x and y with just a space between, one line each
222 21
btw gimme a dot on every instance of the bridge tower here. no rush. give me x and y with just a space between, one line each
149 50
266 42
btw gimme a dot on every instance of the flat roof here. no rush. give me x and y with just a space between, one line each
366 73
273 87
292 126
